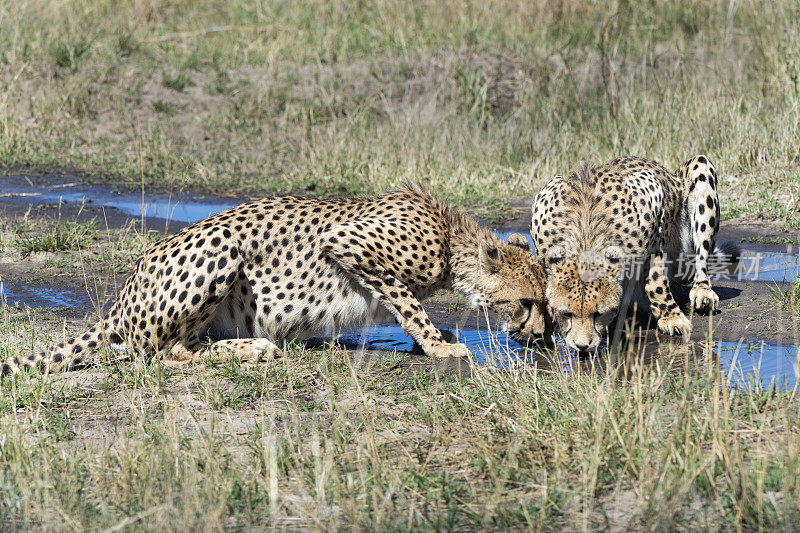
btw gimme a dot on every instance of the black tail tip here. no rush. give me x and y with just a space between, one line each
732 251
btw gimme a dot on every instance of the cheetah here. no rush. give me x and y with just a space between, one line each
630 222
241 283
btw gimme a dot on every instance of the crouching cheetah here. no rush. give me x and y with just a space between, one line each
252 277
628 221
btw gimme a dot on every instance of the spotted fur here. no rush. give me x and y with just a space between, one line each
255 276
626 221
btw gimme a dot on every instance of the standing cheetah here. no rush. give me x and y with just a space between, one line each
266 272
628 220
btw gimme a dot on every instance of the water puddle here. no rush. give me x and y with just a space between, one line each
32 296
755 266
767 363
180 208
769 266
488 347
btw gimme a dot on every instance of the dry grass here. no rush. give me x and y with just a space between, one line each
479 100
319 440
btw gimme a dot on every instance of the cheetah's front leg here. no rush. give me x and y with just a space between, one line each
671 319
700 183
409 313
349 246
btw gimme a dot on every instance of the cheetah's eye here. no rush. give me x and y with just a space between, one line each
527 303
566 315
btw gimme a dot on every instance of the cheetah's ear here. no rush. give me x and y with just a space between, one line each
488 257
519 240
555 255
614 256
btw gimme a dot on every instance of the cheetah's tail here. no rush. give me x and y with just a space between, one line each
66 355
725 259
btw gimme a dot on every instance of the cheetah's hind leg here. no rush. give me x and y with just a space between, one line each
242 350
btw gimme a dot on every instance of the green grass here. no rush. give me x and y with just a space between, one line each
178 81
480 101
164 107
79 253
317 440
787 296
772 240
58 237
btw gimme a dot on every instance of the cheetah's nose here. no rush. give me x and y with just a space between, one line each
582 347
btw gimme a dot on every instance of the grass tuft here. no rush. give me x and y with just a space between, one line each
60 237
164 107
788 296
177 81
67 54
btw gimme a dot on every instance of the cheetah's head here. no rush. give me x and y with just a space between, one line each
583 294
512 284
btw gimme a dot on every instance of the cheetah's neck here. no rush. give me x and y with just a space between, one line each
465 238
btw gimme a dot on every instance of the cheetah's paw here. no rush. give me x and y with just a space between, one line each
675 325
450 350
176 363
703 298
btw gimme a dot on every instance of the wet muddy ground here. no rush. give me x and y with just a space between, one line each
751 332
